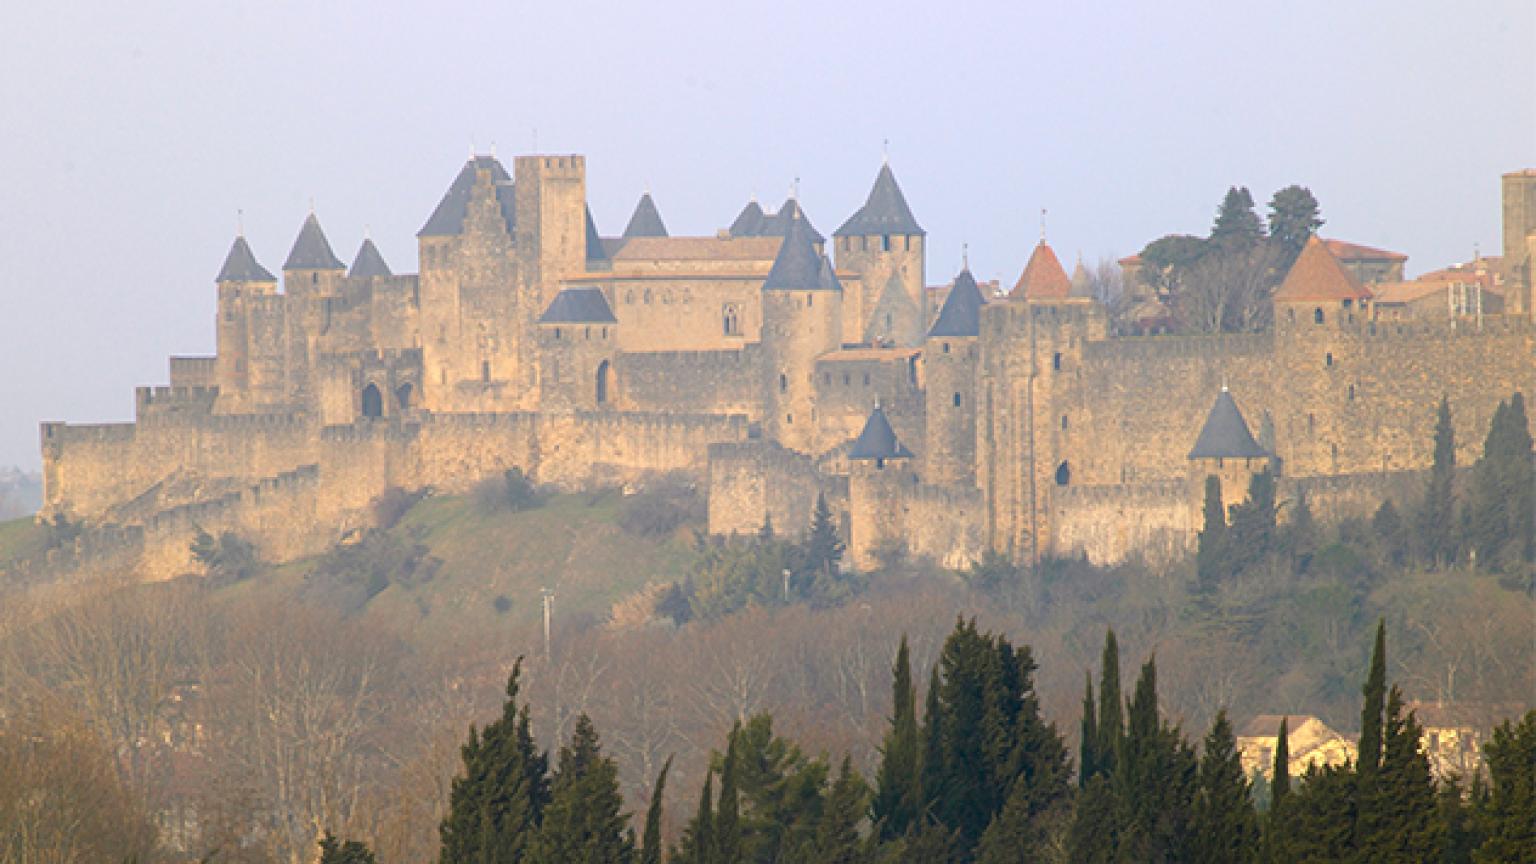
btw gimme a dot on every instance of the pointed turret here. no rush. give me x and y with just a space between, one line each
311 251
1044 278
749 222
447 220
798 266
369 262
779 223
884 212
646 220
1319 276
240 265
595 250
878 440
961 313
1225 434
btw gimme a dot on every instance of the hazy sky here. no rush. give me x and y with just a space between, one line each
130 135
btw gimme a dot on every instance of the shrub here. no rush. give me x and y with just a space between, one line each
510 490
391 505
662 509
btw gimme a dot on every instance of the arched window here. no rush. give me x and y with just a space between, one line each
373 402
1317 316
730 323
1063 474
603 371
403 397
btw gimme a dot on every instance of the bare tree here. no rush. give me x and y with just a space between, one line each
1229 291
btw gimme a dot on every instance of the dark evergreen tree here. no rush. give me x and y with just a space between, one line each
1095 824
1503 486
1224 827
930 767
1088 749
1293 219
1155 781
1461 835
931 843
1015 834
1321 816
781 792
1507 818
1237 226
1436 522
650 848
1388 526
837 840
823 547
496 806
728 812
1277 823
895 806
1111 719
1251 536
1301 535
333 851
697 845
1407 826
583 821
1368 763
1211 553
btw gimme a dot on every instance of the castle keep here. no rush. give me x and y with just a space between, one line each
774 364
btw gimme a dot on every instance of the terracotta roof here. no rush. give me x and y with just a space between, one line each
1130 261
1347 251
700 249
1318 275
1043 278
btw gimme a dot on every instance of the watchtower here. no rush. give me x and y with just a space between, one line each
883 243
802 320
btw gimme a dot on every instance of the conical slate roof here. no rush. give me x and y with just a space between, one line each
1225 434
579 306
240 265
961 313
749 222
778 224
448 219
878 440
369 262
826 277
1043 278
1318 275
884 212
646 220
797 266
311 251
595 250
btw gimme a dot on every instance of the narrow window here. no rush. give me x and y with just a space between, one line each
1317 316
1328 359
373 402
783 383
603 371
1056 361
946 347
885 242
485 370
957 400
1063 422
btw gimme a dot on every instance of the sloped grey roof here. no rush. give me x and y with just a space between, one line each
778 224
579 306
749 222
826 277
240 265
878 440
797 266
961 314
646 220
369 262
311 251
448 219
1225 434
884 212
595 250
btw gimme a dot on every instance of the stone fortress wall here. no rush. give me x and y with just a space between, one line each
774 365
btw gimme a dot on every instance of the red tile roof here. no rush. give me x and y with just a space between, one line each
1044 278
1318 275
1347 251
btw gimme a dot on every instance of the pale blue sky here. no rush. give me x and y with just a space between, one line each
128 139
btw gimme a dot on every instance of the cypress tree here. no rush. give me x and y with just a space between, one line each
895 805
1237 226
728 813
1501 518
1436 515
1388 526
1408 826
931 764
1522 482
650 849
1225 829
1155 780
1095 827
1280 786
837 833
1088 761
1111 724
1507 818
1252 533
697 845
1277 827
1375 691
1211 553
1301 535
495 807
1293 219
1321 816
583 821
823 548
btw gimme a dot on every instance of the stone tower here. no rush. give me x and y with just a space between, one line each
879 473
883 243
802 319
949 357
247 291
1519 245
552 221
1225 449
311 277
578 343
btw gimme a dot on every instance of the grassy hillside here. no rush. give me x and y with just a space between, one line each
493 565
21 538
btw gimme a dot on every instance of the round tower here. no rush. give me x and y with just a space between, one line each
802 320
879 475
949 356
242 282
